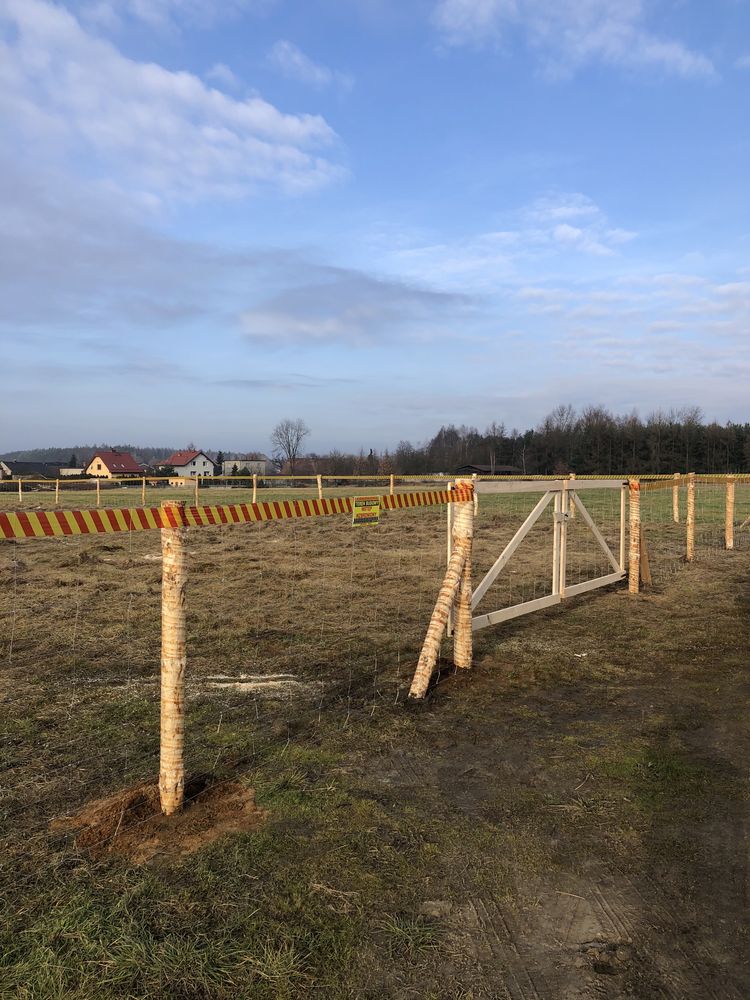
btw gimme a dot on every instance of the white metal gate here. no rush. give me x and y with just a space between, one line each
563 498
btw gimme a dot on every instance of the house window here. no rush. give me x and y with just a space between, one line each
98 466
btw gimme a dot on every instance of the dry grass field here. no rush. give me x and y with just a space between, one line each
567 820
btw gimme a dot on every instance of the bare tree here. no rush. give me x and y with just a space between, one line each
287 437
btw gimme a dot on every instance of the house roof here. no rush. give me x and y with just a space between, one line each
116 461
487 470
40 469
184 457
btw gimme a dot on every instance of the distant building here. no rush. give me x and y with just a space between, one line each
10 469
190 463
113 465
488 470
71 472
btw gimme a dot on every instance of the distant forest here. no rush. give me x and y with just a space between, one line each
593 440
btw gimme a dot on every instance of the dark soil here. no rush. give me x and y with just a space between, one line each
131 824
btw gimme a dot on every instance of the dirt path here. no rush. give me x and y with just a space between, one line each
613 789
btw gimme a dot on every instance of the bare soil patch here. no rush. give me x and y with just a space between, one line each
130 823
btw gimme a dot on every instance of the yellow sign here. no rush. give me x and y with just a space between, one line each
365 510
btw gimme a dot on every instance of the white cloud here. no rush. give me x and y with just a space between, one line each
743 62
292 62
570 34
162 14
164 132
223 76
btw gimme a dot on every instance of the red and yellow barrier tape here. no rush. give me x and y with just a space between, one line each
59 523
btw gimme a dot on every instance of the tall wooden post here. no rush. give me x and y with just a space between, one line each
634 551
623 504
57 492
173 659
20 491
572 506
255 487
556 511
463 534
98 493
676 499
690 519
393 484
320 487
453 584
143 491
565 507
195 489
729 516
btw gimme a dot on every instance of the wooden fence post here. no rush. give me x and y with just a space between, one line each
676 499
57 492
195 489
143 491
463 534
255 487
20 491
572 506
393 484
729 518
690 519
634 553
623 504
173 659
320 487
463 528
98 493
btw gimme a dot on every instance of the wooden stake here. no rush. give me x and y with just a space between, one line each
572 506
255 487
449 512
645 566
393 484
634 554
143 491
173 662
690 519
320 487
566 506
729 516
57 492
557 509
195 489
20 491
98 493
463 534
676 499
623 503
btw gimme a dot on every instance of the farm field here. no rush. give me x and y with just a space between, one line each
564 821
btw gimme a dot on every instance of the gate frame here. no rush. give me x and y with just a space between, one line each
564 499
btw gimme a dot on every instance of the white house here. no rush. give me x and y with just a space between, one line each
190 463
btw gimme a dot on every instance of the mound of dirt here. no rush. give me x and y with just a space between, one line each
131 824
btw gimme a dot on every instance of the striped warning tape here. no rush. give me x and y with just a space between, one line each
58 523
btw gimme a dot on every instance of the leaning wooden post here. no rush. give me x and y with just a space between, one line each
690 519
634 553
393 484
98 493
463 534
438 622
143 491
572 506
57 492
729 518
255 487
320 487
676 498
173 658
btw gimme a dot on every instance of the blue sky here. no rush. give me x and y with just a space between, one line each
377 215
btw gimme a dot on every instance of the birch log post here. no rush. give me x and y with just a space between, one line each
143 491
195 490
676 499
320 487
634 551
173 660
255 487
729 515
392 488
98 492
690 519
463 534
57 492
20 491
461 550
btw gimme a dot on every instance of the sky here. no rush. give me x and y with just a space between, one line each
377 215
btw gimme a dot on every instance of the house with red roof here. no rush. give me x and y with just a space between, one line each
190 463
113 465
